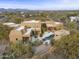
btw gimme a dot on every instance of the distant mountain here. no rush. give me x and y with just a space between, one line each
2 9
27 10
10 9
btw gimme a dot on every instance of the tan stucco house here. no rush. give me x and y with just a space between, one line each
23 32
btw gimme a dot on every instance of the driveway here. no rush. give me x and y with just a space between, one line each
42 49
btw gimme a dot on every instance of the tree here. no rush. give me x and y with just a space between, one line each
72 25
16 50
18 20
4 31
43 27
44 14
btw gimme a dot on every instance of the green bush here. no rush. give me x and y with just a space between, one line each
4 31
16 50
68 46
43 27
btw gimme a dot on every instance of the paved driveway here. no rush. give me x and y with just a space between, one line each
42 49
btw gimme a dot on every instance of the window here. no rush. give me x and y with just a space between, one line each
25 39
56 35
16 39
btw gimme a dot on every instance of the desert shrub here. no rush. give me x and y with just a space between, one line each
16 50
68 46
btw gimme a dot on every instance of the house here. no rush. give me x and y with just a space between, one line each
28 29
74 18
11 24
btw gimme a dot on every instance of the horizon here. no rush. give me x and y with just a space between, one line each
40 4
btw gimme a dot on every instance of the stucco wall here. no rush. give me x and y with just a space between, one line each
15 36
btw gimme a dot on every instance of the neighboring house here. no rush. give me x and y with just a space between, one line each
10 24
74 18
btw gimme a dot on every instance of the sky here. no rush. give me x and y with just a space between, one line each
41 4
